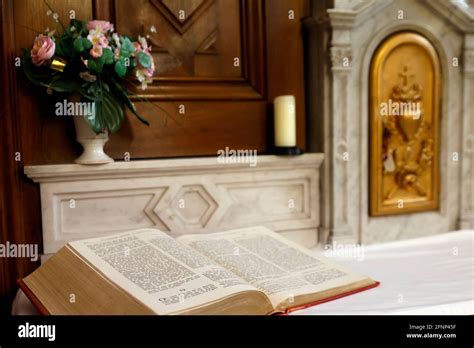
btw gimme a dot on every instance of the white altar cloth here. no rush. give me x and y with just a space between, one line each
430 275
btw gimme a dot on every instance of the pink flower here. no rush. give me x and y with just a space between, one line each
145 75
137 46
96 51
151 69
103 41
102 26
43 49
149 72
141 45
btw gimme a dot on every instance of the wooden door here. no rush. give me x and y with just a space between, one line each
219 65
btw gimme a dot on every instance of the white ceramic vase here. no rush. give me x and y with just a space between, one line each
92 144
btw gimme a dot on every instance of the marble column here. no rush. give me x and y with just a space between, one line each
341 69
466 220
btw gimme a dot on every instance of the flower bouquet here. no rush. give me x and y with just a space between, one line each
91 61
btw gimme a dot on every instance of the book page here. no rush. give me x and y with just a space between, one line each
280 268
163 274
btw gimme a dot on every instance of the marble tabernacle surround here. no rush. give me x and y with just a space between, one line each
358 27
180 196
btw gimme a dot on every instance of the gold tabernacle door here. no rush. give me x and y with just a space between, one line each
404 97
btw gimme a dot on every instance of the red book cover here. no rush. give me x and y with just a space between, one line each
289 310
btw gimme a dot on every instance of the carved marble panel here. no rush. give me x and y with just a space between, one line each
179 196
358 29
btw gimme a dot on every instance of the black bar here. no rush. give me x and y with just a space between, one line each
289 330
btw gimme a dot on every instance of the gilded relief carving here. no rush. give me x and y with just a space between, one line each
405 79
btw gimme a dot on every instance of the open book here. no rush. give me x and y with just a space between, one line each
244 271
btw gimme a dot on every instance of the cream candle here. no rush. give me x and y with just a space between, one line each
285 121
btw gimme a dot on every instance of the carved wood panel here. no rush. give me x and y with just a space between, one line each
209 49
220 63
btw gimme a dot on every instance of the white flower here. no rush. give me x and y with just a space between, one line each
96 37
116 39
143 42
142 77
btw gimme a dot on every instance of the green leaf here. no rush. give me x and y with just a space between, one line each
59 50
144 59
37 75
108 56
96 123
101 59
112 112
121 94
127 47
96 64
86 43
109 113
79 26
78 45
93 91
92 65
120 68
64 85
86 94
66 44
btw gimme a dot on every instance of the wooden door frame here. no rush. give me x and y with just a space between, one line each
9 168
13 227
